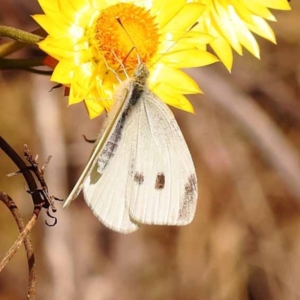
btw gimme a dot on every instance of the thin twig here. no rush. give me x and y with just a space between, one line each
40 72
20 64
17 244
27 244
41 199
27 65
13 155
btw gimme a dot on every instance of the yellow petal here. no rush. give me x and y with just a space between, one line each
48 25
263 29
223 26
256 9
79 12
63 73
49 7
59 26
55 49
82 83
165 12
188 41
275 4
94 108
65 47
182 36
96 4
245 36
177 100
186 17
223 51
74 96
174 78
189 58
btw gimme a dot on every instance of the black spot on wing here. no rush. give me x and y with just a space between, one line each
139 178
188 203
160 181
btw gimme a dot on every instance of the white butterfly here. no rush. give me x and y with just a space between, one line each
141 170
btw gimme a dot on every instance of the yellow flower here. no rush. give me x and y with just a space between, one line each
232 21
94 40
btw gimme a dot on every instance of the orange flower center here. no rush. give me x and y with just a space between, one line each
125 34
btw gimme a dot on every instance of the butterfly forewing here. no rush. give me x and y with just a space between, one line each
106 194
99 152
162 184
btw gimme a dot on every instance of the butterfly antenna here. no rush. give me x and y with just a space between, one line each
134 46
110 68
122 65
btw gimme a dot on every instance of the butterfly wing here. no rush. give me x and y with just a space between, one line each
121 101
105 194
162 184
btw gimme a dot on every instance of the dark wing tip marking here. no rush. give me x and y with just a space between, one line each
139 178
160 181
188 203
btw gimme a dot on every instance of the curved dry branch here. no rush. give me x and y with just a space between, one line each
11 153
41 199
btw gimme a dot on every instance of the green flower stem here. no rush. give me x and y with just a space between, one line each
11 47
23 64
20 35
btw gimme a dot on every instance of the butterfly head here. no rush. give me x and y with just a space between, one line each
141 74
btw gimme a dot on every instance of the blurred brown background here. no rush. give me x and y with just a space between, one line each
245 240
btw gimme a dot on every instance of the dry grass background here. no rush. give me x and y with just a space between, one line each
245 240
